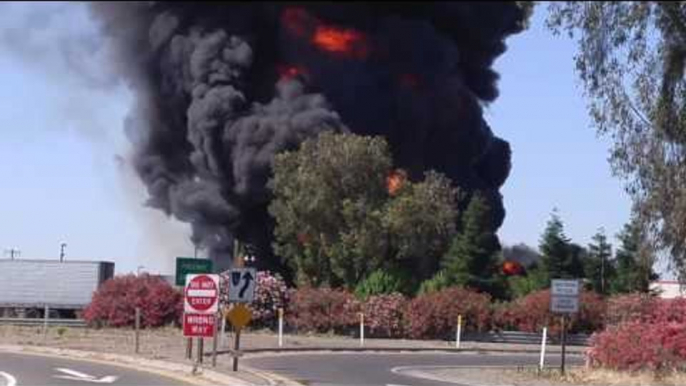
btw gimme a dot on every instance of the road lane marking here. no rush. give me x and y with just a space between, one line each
79 376
9 379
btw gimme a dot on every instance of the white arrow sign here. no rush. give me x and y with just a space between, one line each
78 376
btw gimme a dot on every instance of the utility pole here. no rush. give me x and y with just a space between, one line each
13 252
62 246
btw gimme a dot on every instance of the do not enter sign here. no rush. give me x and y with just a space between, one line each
201 294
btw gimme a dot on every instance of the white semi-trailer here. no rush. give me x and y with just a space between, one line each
35 284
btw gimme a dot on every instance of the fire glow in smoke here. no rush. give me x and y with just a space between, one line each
344 42
222 87
395 181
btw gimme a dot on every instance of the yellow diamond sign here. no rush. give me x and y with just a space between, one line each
239 315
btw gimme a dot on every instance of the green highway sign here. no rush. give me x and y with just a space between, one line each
189 265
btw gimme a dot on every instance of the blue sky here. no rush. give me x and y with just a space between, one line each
59 136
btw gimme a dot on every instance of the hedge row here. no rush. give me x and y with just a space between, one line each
431 315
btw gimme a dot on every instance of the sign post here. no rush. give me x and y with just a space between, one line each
239 316
201 304
564 299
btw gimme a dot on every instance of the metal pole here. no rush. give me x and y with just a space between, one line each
458 333
201 343
138 328
280 327
214 345
236 346
361 329
564 344
543 343
189 348
223 334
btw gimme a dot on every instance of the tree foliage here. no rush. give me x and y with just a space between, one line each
599 266
634 262
420 222
337 221
560 258
631 58
473 258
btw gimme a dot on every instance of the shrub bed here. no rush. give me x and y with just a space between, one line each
384 315
532 312
434 315
114 303
636 346
322 310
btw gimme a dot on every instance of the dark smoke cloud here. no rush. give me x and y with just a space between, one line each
212 108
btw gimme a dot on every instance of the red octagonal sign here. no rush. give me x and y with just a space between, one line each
202 294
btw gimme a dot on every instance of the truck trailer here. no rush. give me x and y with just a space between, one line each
29 286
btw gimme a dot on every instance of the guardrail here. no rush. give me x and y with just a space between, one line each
41 322
517 337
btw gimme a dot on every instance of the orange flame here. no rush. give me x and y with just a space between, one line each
345 42
337 41
395 181
290 72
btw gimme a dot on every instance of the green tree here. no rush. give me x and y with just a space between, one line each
631 59
634 261
337 220
420 222
599 264
328 206
473 257
560 257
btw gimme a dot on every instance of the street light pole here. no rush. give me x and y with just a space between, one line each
12 252
62 246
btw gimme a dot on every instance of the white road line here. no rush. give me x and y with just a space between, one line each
9 379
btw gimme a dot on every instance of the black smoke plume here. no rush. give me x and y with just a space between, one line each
222 87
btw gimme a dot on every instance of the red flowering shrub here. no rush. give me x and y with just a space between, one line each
640 346
626 308
532 312
114 303
271 294
434 315
669 311
322 310
383 315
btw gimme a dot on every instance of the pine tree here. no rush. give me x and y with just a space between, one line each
600 267
557 260
634 262
472 259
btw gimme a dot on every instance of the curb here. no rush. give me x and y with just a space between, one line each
286 350
178 371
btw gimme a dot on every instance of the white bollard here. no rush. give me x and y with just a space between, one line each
361 329
543 342
280 327
458 333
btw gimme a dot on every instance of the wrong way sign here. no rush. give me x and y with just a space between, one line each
201 295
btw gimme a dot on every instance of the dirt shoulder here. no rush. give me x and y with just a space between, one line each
484 376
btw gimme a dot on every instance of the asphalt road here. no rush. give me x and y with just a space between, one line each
376 368
19 369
